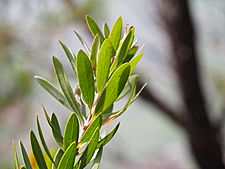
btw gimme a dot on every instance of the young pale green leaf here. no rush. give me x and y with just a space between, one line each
128 86
82 42
107 138
115 33
94 51
97 160
103 64
65 86
43 141
106 30
71 133
90 150
93 27
57 158
113 88
122 52
68 158
23 167
96 123
25 156
56 131
85 77
15 157
130 53
135 61
37 151
69 55
53 91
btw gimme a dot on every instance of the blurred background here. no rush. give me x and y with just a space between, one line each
149 137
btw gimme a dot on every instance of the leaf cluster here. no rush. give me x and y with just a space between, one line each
104 75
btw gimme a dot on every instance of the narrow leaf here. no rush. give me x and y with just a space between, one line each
65 86
57 158
90 150
85 77
96 123
93 27
15 159
53 91
56 131
71 133
37 151
82 42
115 34
113 88
97 160
55 127
122 52
43 141
68 158
107 138
94 51
135 61
106 30
69 55
25 156
103 64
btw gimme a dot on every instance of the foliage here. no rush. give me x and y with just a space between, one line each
104 74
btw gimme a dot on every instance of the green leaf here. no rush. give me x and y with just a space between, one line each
122 52
15 159
135 61
93 27
54 124
71 133
53 91
37 151
97 160
65 86
103 64
96 123
113 88
68 158
106 30
109 136
25 156
94 51
85 77
82 42
56 131
129 102
57 158
23 167
43 141
90 150
69 55
115 34
128 86
130 54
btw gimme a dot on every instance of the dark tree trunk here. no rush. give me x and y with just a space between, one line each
203 135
